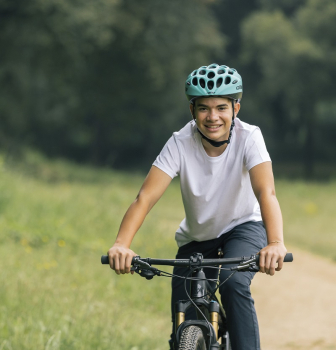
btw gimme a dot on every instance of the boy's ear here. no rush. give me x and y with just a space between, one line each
192 110
236 108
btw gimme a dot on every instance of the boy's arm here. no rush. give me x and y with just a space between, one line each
262 181
155 184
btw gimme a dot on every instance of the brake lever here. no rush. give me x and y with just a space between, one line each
148 271
254 268
248 265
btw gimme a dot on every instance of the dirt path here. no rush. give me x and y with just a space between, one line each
297 307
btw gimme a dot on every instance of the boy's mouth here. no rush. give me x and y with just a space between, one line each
213 127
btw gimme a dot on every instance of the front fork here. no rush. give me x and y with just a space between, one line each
181 308
198 292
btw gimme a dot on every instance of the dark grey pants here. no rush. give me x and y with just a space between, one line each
244 240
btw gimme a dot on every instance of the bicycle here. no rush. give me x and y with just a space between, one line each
209 331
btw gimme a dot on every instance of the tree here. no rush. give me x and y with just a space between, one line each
157 45
294 61
99 81
43 53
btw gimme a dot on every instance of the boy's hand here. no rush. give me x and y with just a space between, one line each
120 258
270 256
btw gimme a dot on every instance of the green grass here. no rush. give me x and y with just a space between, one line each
55 222
308 213
56 219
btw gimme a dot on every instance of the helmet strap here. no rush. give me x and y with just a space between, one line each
220 143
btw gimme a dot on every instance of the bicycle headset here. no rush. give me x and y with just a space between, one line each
214 81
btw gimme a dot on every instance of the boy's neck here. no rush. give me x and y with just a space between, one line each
212 151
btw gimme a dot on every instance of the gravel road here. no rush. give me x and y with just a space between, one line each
297 306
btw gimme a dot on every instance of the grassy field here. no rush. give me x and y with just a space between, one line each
56 219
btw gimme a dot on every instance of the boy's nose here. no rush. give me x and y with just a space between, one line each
212 115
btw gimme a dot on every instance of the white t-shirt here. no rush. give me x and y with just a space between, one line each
216 191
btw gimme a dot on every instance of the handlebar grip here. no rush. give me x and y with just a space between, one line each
104 259
288 258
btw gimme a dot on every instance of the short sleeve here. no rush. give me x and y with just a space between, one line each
169 158
255 150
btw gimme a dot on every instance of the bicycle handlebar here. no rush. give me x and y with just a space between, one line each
203 262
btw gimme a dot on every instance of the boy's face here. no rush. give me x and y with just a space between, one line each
213 116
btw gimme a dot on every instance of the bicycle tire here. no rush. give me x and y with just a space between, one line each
192 338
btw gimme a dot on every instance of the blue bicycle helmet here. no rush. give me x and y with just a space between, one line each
214 80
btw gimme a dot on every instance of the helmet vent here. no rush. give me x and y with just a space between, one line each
210 84
202 83
221 71
194 72
230 72
219 82
194 81
211 75
227 80
202 72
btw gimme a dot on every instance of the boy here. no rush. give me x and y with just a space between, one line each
228 194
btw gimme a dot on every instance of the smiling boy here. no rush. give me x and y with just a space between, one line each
228 194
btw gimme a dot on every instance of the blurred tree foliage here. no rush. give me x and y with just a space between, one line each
102 82
289 50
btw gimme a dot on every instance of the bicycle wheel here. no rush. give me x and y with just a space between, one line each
192 339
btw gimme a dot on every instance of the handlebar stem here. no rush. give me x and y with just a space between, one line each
195 260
